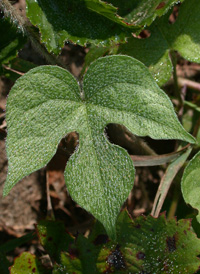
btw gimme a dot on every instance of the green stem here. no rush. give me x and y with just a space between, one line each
175 200
176 86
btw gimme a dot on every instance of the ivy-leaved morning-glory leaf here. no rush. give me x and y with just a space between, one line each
182 36
80 21
142 12
47 103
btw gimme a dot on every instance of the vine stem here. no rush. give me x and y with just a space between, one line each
17 19
176 86
167 180
10 11
175 200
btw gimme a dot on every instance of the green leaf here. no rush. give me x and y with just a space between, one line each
22 65
153 52
80 257
16 66
11 40
53 238
77 21
191 183
28 263
12 244
4 264
107 10
158 245
93 54
47 103
182 36
97 52
145 245
142 12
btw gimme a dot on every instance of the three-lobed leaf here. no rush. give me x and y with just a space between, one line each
47 103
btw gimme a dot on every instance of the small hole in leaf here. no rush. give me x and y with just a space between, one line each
160 6
67 146
174 15
140 255
171 243
119 135
145 33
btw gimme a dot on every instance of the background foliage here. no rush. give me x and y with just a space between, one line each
144 42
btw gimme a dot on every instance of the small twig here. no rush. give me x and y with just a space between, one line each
166 182
3 125
50 213
188 83
13 70
176 87
2 115
174 203
157 159
183 95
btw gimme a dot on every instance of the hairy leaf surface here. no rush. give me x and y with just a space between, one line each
182 36
47 103
191 183
145 245
77 21
92 21
53 237
28 263
142 12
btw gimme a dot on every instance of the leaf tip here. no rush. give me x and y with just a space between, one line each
5 191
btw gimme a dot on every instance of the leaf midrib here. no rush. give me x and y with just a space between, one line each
93 148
